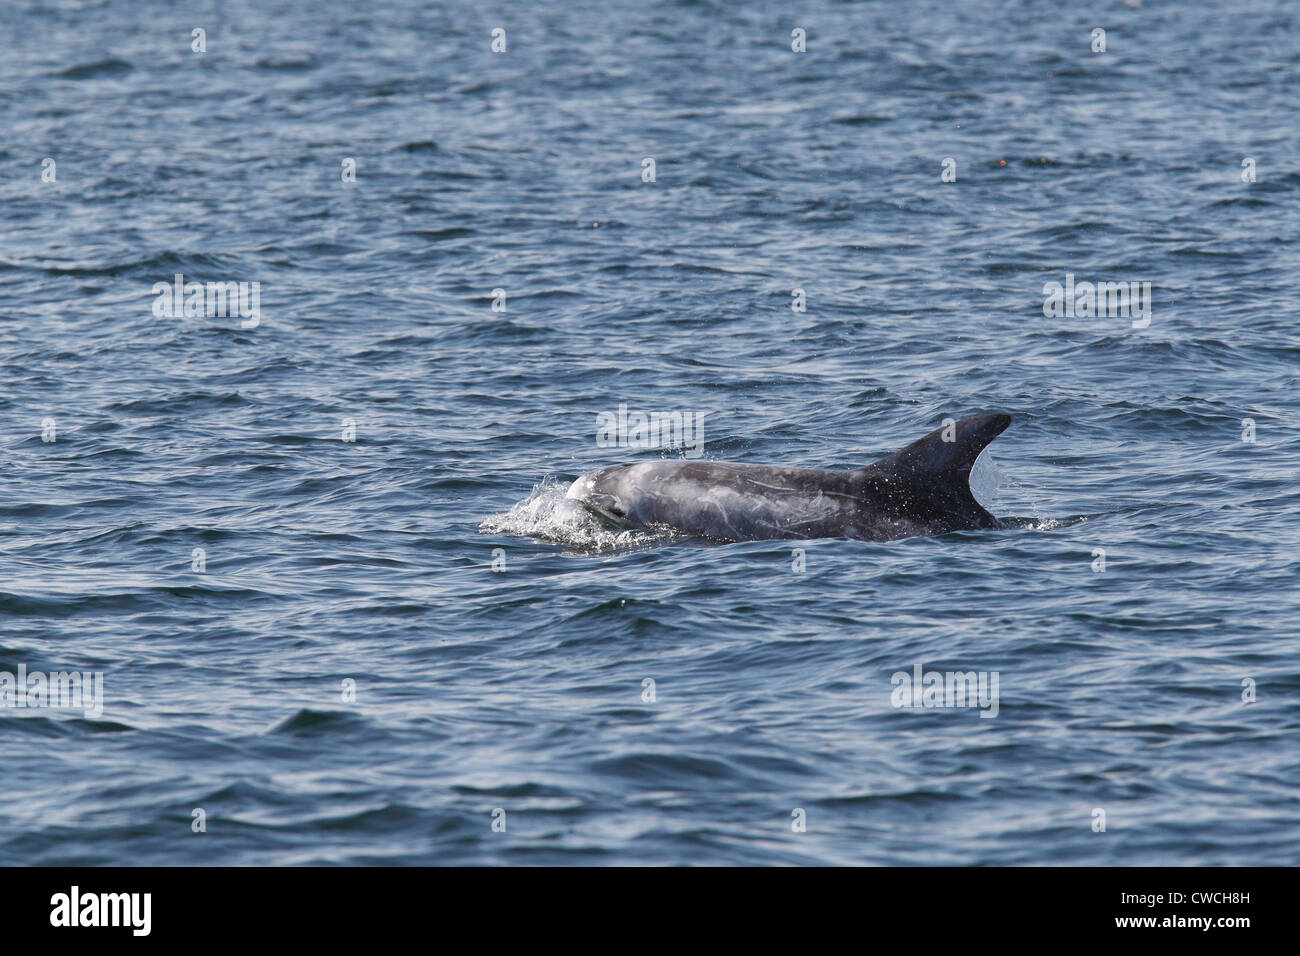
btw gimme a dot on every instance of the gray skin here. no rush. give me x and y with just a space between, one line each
922 490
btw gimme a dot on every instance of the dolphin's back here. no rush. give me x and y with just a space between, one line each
733 502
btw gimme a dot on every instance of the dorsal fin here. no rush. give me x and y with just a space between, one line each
933 475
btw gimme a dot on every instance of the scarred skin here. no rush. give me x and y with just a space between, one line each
921 490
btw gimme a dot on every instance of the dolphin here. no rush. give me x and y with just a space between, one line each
922 490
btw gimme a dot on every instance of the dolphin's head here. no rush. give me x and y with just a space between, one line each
600 491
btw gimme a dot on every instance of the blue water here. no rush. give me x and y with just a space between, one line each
521 690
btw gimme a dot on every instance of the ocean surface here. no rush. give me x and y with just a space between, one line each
315 552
